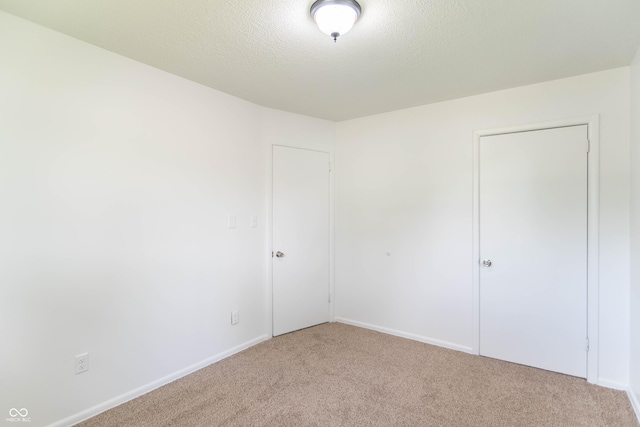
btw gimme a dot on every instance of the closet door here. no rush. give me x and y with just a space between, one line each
533 248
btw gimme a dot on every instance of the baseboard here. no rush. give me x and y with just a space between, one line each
612 384
112 403
635 403
407 335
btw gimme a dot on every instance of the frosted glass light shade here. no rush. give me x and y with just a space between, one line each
335 17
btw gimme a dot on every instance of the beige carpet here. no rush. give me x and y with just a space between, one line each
340 375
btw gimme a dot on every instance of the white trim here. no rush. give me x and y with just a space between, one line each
332 291
123 398
615 385
593 249
407 335
269 248
635 402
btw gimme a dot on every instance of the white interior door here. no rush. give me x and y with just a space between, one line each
300 239
533 237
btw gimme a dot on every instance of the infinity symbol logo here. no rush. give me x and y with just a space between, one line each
13 412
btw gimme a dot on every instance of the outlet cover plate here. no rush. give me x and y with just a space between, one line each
82 363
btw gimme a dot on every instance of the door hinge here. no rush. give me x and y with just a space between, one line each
588 145
587 344
329 166
271 254
329 296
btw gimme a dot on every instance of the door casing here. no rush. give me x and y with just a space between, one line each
593 179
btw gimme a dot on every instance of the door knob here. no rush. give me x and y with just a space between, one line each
486 263
279 254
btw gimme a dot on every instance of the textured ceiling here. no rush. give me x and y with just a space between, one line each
401 53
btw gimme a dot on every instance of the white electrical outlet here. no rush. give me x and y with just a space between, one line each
82 363
232 221
235 317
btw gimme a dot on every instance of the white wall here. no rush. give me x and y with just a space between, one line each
116 180
404 185
635 233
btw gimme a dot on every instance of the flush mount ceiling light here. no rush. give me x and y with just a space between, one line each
335 17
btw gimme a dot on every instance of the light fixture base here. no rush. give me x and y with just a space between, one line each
335 17
320 3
